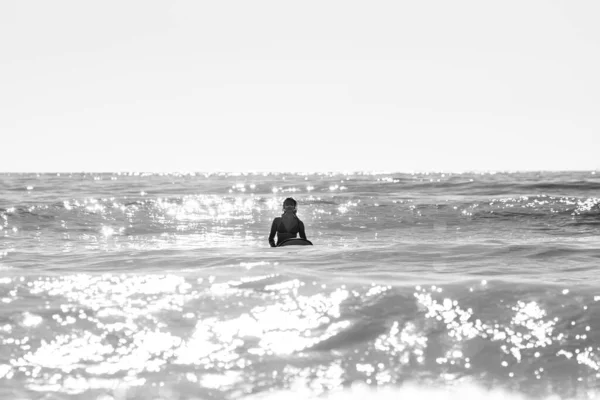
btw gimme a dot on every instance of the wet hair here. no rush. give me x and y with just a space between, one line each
290 202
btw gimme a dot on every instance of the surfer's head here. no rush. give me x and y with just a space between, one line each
290 204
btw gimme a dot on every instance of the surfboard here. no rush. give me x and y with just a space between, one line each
295 242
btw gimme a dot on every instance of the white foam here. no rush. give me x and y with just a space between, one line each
406 392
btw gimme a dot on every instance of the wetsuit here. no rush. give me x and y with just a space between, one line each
282 233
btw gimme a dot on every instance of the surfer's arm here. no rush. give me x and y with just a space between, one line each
272 234
301 230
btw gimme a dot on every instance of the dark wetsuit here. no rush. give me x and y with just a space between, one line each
282 233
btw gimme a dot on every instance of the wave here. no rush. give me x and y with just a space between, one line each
409 391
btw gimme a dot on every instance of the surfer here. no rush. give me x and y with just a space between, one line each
288 225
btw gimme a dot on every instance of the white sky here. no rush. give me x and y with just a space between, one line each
299 86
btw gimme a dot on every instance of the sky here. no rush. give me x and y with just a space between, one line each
299 86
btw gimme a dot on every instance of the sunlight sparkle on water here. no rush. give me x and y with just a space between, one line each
122 325
528 329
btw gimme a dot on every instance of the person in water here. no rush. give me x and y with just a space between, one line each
287 226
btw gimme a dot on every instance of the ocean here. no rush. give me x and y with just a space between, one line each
121 286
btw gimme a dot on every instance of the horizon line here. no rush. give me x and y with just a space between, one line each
300 172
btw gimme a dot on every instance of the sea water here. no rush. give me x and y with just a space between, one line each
423 285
